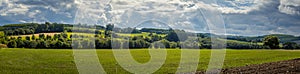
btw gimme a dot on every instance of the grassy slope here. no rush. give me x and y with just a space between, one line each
61 61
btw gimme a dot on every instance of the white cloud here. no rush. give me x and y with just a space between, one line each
11 11
290 7
242 6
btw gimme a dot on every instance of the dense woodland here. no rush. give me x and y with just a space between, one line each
109 36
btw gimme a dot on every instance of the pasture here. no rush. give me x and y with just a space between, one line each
54 61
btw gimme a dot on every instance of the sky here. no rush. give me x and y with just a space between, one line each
241 17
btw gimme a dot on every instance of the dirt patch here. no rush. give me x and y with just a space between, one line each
282 67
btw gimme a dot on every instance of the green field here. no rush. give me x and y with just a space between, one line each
52 61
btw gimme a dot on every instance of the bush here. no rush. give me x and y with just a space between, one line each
3 46
290 45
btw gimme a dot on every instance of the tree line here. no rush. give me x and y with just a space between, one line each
107 38
63 41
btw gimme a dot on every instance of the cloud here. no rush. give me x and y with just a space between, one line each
290 7
243 17
36 10
267 16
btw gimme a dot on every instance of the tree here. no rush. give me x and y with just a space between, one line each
56 36
176 36
42 44
21 31
59 44
9 32
109 27
20 38
33 37
272 42
173 44
27 38
31 31
20 43
42 36
290 45
27 31
154 37
108 33
108 30
172 36
32 44
12 44
48 37
76 44
64 35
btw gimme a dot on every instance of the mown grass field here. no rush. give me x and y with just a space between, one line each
53 61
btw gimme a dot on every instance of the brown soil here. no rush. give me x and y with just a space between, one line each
282 67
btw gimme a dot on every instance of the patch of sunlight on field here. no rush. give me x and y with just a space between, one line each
84 34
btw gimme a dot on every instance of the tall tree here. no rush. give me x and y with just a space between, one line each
33 37
176 36
108 30
272 42
27 38
42 36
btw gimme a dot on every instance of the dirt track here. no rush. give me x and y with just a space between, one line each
282 67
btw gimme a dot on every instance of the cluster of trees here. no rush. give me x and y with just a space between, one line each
19 31
32 28
283 38
291 45
273 42
63 41
58 41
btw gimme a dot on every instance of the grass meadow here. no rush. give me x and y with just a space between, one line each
53 61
